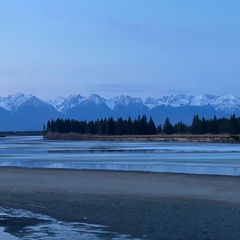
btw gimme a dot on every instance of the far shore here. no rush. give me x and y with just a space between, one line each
142 205
211 138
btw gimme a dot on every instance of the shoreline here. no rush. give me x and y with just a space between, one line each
205 138
158 205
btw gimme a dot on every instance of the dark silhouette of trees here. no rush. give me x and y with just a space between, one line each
214 125
233 125
110 128
181 128
204 128
142 126
91 128
168 127
159 129
151 127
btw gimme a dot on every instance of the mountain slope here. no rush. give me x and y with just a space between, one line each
25 113
22 112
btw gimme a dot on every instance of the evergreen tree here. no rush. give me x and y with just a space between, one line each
101 127
120 127
136 126
196 125
143 126
110 126
168 127
223 125
129 126
91 128
233 125
214 128
180 127
151 127
204 128
159 129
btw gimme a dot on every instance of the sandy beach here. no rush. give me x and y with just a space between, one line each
144 205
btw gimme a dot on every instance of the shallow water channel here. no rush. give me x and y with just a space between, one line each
198 158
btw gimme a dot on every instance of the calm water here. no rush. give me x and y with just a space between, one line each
199 158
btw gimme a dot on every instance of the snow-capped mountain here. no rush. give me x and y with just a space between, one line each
123 101
12 103
27 112
63 104
223 102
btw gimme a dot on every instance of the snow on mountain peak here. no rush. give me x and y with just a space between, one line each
13 102
227 103
62 104
95 98
122 100
223 102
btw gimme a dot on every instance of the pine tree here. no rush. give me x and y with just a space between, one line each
215 127
180 128
168 127
143 126
196 125
91 128
129 126
204 126
233 125
110 126
151 127
120 126
159 129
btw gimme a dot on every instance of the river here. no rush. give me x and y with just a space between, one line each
195 158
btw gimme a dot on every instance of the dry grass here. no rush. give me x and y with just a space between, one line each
155 138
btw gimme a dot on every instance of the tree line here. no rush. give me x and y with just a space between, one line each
203 126
144 126
139 126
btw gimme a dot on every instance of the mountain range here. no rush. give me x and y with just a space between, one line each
20 112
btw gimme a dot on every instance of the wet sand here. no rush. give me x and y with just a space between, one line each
157 205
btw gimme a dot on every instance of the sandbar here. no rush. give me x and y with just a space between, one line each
142 204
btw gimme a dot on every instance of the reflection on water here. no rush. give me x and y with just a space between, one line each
199 158
25 225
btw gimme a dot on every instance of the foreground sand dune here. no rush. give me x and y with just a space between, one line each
157 205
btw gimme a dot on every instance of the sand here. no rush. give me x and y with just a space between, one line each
157 205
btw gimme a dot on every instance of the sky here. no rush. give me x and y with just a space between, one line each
141 48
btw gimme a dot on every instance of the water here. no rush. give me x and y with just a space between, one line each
34 152
6 236
198 158
26 225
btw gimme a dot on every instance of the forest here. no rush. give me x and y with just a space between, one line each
144 126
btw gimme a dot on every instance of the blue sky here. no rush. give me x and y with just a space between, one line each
112 47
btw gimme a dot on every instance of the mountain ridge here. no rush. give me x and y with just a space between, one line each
223 102
27 112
